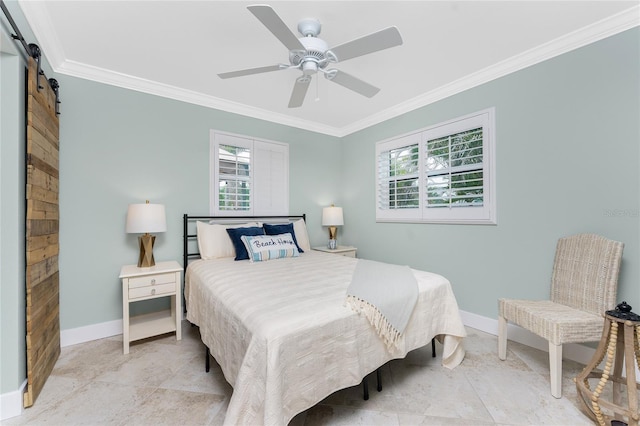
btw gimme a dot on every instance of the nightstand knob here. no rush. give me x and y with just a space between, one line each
153 281
153 291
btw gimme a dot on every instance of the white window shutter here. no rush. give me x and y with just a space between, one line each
398 179
248 177
271 178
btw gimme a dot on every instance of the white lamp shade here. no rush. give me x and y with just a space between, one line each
146 218
332 216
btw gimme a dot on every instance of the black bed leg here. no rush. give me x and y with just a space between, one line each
207 361
365 388
379 378
433 347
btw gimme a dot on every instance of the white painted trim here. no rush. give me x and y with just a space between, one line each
45 33
615 24
44 30
88 333
572 351
11 402
101 75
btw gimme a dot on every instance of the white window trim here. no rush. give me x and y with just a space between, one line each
251 143
483 215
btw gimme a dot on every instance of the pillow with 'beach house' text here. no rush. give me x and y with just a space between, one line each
267 247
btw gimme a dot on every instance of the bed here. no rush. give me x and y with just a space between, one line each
280 328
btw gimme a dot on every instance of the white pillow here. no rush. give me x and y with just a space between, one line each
300 229
213 240
266 247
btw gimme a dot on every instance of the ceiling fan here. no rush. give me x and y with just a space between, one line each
311 54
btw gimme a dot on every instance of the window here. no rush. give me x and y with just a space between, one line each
249 177
440 174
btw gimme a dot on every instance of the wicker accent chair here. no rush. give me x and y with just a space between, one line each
584 285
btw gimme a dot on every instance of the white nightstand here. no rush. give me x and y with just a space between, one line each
347 251
161 280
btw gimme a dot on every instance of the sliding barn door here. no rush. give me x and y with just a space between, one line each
42 223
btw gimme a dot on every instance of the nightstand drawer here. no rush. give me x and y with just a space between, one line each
346 251
152 280
161 281
152 290
351 253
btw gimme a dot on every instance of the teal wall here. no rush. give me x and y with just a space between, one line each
12 213
568 157
119 147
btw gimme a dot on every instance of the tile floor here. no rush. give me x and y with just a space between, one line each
162 382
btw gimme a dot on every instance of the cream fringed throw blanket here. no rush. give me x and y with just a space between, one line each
386 294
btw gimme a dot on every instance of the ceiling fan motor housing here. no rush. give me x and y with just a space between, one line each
312 58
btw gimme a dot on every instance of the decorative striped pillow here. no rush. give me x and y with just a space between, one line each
266 247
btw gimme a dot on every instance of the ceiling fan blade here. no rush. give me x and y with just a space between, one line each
383 39
272 21
250 71
352 83
299 91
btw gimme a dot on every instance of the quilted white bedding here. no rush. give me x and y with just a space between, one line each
285 339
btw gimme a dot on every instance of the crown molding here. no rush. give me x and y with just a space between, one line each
101 75
613 25
45 32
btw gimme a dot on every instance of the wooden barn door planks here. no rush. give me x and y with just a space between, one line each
42 224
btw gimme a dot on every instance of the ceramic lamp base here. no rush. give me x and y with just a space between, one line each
145 260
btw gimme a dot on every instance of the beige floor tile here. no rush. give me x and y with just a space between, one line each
175 407
162 381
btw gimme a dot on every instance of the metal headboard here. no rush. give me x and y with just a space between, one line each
189 252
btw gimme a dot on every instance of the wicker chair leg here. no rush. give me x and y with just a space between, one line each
555 369
502 338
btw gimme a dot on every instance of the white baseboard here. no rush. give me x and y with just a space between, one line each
572 351
11 403
90 332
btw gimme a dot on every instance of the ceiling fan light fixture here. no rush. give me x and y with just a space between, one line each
309 67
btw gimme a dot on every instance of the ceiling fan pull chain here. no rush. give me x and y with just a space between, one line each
317 89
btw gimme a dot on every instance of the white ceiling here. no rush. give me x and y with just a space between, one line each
176 49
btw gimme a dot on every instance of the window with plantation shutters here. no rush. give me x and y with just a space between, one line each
440 174
454 170
234 178
398 182
248 177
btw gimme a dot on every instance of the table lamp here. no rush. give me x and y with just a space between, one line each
332 217
143 219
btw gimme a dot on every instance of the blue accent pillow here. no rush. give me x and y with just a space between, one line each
284 228
236 234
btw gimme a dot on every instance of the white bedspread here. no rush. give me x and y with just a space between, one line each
284 338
